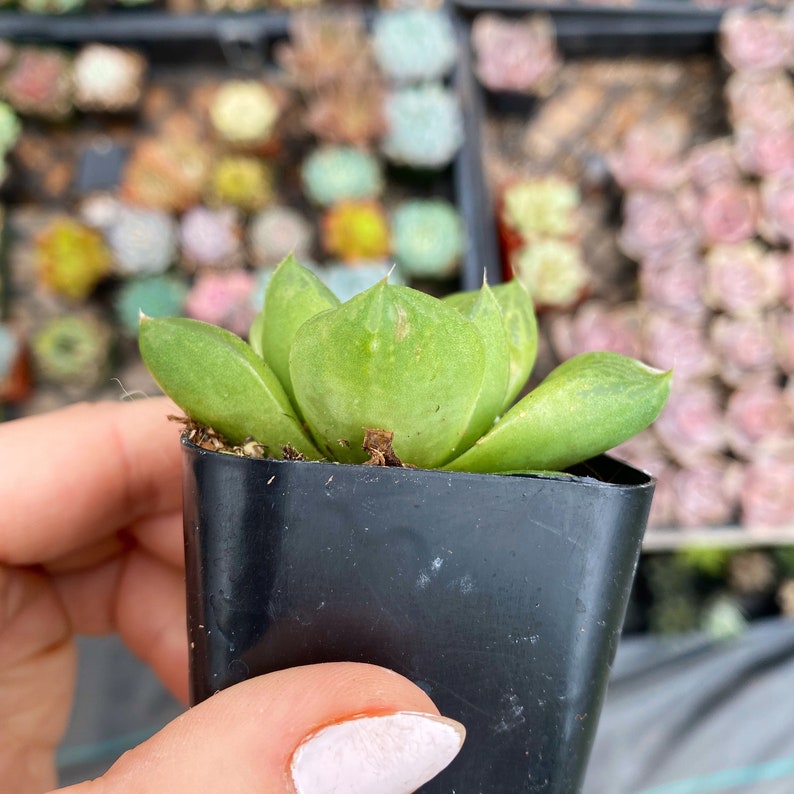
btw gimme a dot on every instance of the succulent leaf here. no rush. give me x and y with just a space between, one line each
391 358
219 381
293 295
584 407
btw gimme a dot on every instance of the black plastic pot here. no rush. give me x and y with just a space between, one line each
502 596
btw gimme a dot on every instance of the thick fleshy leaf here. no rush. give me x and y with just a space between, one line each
393 359
586 406
218 380
521 329
293 295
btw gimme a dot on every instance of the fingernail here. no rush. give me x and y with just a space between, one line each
387 754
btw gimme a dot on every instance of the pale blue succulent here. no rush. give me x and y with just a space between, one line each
143 242
155 296
338 173
345 281
424 126
414 45
428 238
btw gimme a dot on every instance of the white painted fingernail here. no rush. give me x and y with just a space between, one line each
386 754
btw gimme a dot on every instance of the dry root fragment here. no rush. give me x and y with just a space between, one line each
209 438
379 445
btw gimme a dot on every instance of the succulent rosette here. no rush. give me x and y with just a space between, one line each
243 181
596 325
155 296
673 280
222 299
553 271
429 239
356 230
712 162
244 112
540 207
71 258
108 78
420 380
765 151
424 126
654 222
757 411
143 242
211 238
346 281
744 345
414 45
692 426
754 40
760 100
277 231
332 174
38 82
767 498
728 212
777 201
672 339
707 494
517 55
742 279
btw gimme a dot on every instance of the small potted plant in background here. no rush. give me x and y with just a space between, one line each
358 486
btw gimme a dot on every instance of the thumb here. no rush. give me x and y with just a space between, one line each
340 728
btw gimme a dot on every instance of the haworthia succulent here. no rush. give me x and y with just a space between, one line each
586 406
218 380
390 358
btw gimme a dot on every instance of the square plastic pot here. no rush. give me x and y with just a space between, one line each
502 596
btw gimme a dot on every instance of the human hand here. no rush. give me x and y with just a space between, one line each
91 542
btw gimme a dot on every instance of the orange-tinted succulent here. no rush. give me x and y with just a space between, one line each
348 112
356 230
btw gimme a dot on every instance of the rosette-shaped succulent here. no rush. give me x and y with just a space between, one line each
757 412
325 48
39 83
356 230
332 174
72 258
165 173
707 493
672 339
767 498
673 280
143 242
276 232
211 238
783 336
242 181
155 296
777 201
346 281
540 207
745 346
742 279
596 325
244 112
73 350
349 112
754 40
223 299
712 162
515 54
424 126
728 213
107 78
429 239
414 45
765 151
10 128
760 100
402 376
553 271
15 380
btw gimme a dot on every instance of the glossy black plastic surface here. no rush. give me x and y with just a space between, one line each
503 597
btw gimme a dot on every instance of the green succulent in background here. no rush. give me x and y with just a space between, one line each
433 378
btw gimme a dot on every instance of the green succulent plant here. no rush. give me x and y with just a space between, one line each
436 378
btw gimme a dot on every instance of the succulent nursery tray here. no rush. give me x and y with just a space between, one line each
621 100
58 168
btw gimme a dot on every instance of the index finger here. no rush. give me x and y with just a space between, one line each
79 474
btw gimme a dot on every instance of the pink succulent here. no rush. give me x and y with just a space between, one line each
786 263
763 151
777 201
691 426
764 101
596 325
742 279
707 494
745 346
728 212
783 336
649 157
223 298
673 280
653 222
767 498
754 40
712 162
756 412
515 54
679 341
